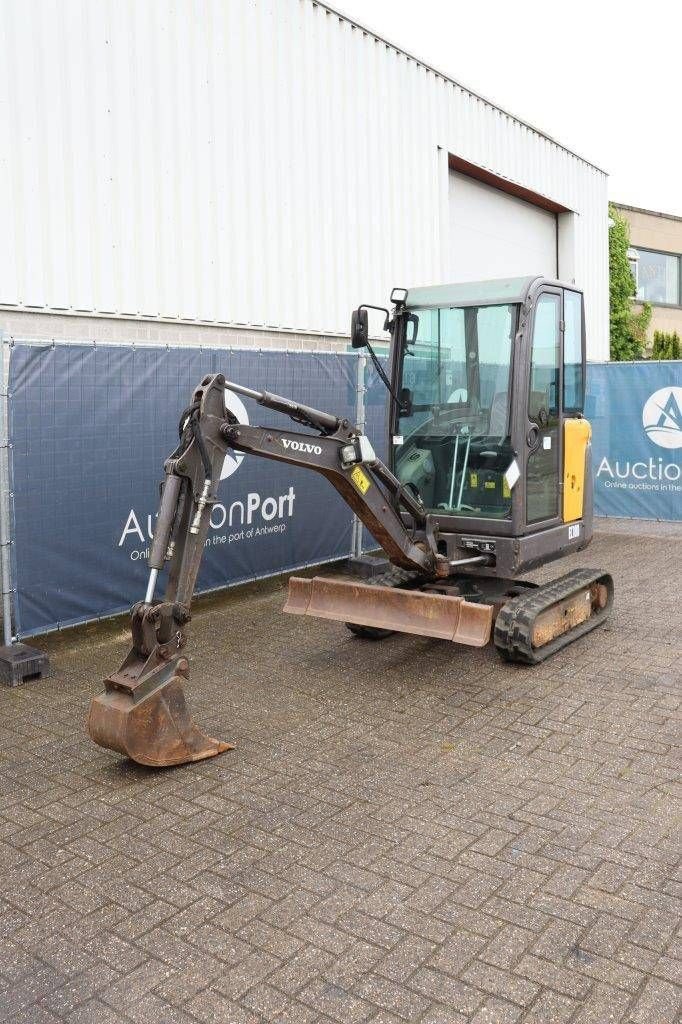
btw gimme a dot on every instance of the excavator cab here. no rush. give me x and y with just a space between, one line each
488 431
488 476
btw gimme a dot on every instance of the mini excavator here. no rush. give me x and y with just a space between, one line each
489 477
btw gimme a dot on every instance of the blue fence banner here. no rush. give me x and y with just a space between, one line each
636 414
91 426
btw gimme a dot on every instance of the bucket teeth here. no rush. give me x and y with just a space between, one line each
440 616
154 730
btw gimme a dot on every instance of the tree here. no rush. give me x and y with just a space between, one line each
627 328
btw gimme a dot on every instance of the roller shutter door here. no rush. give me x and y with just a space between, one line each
494 234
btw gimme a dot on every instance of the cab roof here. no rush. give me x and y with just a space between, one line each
502 291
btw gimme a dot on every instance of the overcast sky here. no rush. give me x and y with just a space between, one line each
603 78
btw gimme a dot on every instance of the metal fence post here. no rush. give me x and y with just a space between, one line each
5 536
359 564
17 661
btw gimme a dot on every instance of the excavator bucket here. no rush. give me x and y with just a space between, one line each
150 725
440 616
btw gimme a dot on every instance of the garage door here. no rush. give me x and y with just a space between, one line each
493 234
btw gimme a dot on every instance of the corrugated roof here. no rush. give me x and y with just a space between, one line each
449 78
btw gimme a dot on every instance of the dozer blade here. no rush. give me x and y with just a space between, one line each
405 611
150 724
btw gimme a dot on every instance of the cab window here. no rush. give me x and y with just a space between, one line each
573 352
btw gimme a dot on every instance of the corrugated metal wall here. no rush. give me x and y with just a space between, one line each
263 163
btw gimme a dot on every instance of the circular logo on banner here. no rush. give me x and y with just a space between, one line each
662 417
233 460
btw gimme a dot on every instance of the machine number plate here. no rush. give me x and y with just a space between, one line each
574 531
361 480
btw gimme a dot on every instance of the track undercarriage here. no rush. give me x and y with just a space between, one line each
528 622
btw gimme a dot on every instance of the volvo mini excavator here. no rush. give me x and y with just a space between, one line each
488 477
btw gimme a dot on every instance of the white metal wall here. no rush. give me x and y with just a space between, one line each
263 163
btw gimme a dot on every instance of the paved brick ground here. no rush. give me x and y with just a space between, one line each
406 832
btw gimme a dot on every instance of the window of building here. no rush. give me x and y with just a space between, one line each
633 260
658 277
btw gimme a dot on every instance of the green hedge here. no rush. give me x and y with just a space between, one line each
666 346
627 328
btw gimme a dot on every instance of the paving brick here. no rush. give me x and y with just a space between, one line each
36 1014
507 946
565 980
558 940
660 1003
457 952
307 963
389 995
151 1009
409 954
95 1012
265 1000
443 1015
354 963
669 968
297 1013
551 1008
409 839
423 925
604 1005
253 969
369 928
497 1011
606 935
213 1008
476 891
336 1002
653 930
600 968
455 994
78 989
610 877
500 983
324 936
262 936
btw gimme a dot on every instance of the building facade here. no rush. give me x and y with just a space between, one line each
656 263
247 173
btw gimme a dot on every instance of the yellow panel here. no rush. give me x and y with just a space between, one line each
577 434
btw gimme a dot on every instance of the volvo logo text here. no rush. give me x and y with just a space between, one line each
302 446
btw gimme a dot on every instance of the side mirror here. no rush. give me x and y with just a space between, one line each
413 319
359 328
405 402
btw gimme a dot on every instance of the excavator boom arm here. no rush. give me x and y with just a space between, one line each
365 484
142 711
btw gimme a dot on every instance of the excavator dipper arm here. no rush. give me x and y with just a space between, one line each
142 712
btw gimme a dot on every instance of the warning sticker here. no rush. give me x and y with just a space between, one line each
361 480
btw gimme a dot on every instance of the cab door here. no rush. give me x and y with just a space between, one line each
544 414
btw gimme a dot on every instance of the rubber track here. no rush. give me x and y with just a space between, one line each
393 577
514 624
